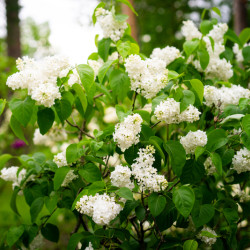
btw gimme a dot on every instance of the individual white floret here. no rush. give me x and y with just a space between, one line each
120 177
193 140
127 132
190 31
241 161
208 240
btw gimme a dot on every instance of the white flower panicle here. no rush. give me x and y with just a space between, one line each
102 208
238 52
110 115
60 159
95 65
40 78
241 161
221 97
120 177
209 166
193 140
144 172
74 78
190 31
208 240
11 174
127 132
167 54
147 77
111 27
69 178
169 112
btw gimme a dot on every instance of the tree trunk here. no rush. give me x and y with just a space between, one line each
13 28
131 20
240 15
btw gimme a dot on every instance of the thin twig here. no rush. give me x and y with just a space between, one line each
173 186
155 124
97 96
76 126
133 106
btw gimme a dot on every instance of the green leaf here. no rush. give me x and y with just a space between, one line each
202 215
16 128
129 5
50 232
206 26
82 97
190 245
121 113
157 143
145 115
87 75
3 159
22 109
103 48
244 35
121 18
103 89
96 187
188 98
208 234
45 120
126 193
36 208
60 176
74 240
63 109
2 105
190 46
216 10
216 139
231 215
13 200
183 199
199 151
177 155
124 48
231 118
230 34
100 5
203 58
119 83
217 162
198 87
72 153
246 54
14 235
103 70
91 173
156 203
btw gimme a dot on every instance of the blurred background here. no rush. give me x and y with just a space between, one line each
39 28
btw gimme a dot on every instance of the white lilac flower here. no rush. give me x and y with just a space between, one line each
193 140
147 77
208 240
12 174
60 159
120 177
69 178
209 166
89 247
127 132
190 31
241 161
167 54
102 208
110 115
243 196
190 114
145 174
111 28
221 97
238 52
74 78
95 65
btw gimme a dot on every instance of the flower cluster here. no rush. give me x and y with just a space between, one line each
167 54
40 78
209 166
60 159
144 172
221 97
147 77
243 196
12 174
208 240
120 177
69 178
193 140
74 78
241 161
111 27
238 52
127 132
169 111
190 31
101 207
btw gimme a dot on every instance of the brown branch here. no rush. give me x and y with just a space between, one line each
133 106
82 131
173 186
97 96
155 124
